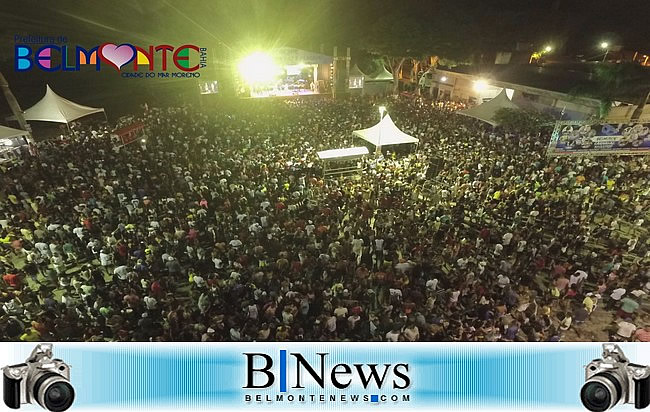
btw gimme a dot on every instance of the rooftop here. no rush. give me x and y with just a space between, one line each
560 78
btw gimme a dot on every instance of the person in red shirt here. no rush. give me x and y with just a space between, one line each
156 289
12 280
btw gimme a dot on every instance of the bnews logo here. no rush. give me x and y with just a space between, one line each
368 381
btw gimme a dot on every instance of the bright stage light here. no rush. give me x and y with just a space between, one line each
443 79
480 85
548 49
604 45
258 67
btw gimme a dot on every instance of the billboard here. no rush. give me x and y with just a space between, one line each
580 138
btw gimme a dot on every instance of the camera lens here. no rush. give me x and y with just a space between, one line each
601 392
53 392
595 396
59 396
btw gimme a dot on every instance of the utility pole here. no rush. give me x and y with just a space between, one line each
13 104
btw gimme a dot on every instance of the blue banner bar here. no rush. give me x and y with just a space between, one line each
310 376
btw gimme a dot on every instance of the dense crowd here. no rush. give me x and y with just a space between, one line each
219 226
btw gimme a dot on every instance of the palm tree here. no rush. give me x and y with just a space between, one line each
13 103
614 81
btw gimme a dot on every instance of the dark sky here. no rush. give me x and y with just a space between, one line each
233 28
575 25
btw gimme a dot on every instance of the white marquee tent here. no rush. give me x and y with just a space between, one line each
385 133
54 108
8 132
381 75
486 111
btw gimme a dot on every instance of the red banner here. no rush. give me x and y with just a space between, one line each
129 134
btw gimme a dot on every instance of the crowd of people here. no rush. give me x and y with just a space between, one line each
219 226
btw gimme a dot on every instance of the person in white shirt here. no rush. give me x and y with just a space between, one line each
521 246
341 311
235 243
412 333
79 231
395 293
578 277
617 294
625 329
454 296
150 302
122 272
105 258
53 226
507 238
357 248
503 281
393 335
432 285
253 312
43 248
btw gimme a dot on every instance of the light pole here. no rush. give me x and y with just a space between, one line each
13 104
382 109
605 45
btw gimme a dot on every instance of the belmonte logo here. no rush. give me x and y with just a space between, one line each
362 382
163 58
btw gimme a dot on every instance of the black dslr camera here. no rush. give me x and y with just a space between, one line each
613 380
40 379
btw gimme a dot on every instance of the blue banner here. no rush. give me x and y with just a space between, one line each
311 376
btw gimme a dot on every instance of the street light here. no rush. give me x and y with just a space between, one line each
382 109
605 45
480 85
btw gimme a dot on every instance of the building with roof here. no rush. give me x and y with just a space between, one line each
553 89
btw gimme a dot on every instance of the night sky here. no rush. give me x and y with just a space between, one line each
458 30
575 26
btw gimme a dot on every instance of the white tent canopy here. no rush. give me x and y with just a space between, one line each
381 75
8 132
54 108
486 111
385 133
